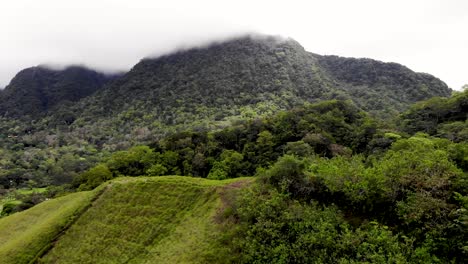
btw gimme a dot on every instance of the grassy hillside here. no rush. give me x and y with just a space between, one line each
132 220
24 235
144 220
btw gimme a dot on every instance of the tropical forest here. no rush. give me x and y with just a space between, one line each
249 150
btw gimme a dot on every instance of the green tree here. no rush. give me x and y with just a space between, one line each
94 177
156 170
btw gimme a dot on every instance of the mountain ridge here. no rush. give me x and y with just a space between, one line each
260 66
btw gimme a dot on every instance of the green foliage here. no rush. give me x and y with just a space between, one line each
57 124
439 116
95 176
272 228
156 170
373 86
240 150
287 173
133 162
336 185
218 171
410 188
299 148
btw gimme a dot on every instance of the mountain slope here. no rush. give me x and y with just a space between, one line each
131 220
207 87
38 89
439 116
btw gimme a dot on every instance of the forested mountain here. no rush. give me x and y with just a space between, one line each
55 124
255 74
34 91
222 80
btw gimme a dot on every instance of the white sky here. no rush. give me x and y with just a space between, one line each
425 35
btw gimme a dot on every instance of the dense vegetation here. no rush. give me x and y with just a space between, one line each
324 128
384 198
408 205
381 88
443 117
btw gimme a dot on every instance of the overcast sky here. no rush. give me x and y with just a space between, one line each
425 35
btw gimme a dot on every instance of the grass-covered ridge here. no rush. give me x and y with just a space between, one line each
136 220
145 220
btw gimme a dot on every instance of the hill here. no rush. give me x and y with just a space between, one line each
138 220
334 185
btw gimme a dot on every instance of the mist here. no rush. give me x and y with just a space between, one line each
113 35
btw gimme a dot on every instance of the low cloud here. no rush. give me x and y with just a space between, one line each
103 35
113 35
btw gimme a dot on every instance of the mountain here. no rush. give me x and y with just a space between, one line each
36 90
214 83
224 78
244 78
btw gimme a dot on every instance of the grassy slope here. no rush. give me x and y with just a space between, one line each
146 220
23 235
